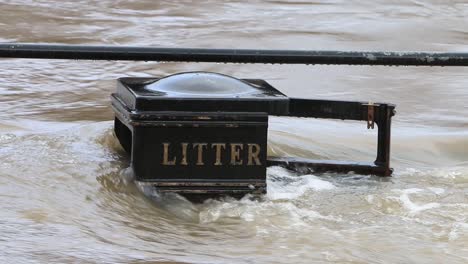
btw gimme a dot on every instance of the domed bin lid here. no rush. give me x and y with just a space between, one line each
202 84
201 92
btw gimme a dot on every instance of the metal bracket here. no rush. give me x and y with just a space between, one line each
370 115
380 113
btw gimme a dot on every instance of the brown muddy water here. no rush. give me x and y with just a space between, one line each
66 194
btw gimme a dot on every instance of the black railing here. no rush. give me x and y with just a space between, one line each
85 52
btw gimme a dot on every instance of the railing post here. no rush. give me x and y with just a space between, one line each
383 138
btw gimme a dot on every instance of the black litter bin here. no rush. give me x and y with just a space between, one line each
205 134
197 132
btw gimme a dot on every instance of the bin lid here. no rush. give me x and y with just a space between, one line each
201 92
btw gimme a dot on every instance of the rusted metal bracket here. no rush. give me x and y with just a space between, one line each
380 113
370 115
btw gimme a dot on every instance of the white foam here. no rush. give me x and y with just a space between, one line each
285 213
408 191
436 190
246 209
459 230
412 207
284 185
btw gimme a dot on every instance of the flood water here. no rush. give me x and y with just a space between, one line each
66 194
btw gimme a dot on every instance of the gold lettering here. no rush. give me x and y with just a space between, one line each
166 160
219 147
200 147
253 155
184 154
235 153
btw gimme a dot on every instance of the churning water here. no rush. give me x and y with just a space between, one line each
66 194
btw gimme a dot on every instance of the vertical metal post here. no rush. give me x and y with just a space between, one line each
383 138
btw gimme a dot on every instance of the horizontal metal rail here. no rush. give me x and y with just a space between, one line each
128 53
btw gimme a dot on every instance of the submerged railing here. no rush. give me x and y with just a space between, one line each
152 124
87 52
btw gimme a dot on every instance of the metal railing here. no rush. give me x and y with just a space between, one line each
129 53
